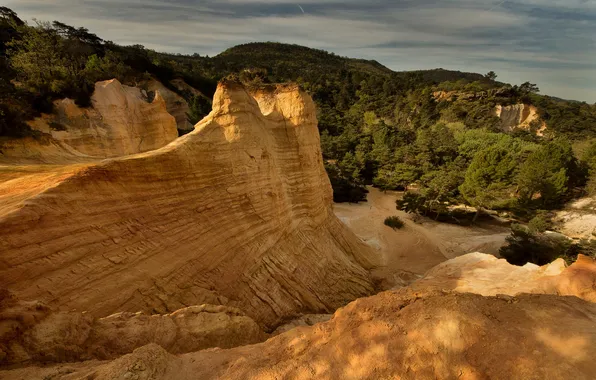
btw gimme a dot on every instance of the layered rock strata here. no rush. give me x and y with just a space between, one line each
519 116
121 121
237 213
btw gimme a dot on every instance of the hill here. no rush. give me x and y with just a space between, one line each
377 126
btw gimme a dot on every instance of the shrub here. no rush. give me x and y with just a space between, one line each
527 246
394 222
539 223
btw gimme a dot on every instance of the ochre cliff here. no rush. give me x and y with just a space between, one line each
121 121
519 116
175 104
237 213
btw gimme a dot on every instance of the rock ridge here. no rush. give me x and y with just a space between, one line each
237 213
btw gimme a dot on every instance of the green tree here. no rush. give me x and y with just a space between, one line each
489 178
528 88
527 246
37 60
400 176
546 173
491 75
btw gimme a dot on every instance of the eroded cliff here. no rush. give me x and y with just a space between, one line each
121 121
237 213
520 116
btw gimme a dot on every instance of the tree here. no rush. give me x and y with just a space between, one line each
400 176
491 75
546 173
529 88
37 60
527 246
80 34
489 178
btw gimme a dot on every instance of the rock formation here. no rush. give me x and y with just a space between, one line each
486 275
31 333
519 116
236 213
175 104
578 219
121 121
396 334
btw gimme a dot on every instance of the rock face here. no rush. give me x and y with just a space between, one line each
393 335
121 122
578 220
31 332
486 275
175 104
519 116
237 213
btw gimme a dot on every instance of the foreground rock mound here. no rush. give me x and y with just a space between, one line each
31 332
486 275
121 121
236 213
396 334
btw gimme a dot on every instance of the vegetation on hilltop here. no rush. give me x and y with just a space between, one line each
434 129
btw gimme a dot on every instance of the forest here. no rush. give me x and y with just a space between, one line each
378 127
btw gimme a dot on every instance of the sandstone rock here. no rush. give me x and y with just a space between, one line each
578 219
31 332
238 212
396 334
304 320
175 104
181 85
519 116
120 122
486 275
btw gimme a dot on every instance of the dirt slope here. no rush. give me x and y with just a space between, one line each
238 213
407 254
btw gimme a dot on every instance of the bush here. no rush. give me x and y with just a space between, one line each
539 223
527 246
394 222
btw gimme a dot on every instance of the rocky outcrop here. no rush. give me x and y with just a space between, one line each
31 332
121 121
175 104
396 334
486 275
237 213
578 219
519 116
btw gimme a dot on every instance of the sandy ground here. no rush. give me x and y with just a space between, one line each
410 252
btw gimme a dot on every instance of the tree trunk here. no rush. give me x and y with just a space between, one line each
478 212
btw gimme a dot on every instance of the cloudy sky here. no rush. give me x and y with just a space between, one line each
548 42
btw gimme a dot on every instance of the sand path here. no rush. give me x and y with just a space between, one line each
410 252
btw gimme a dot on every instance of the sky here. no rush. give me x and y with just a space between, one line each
548 42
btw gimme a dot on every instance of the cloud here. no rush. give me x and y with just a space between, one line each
548 42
